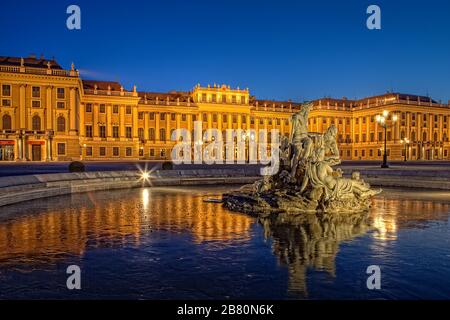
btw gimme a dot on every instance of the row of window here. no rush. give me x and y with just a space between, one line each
35 91
425 117
61 127
128 133
413 137
235 118
34 104
371 152
223 98
102 131
115 151
162 116
412 153
102 108
36 123
61 150
363 153
332 121
372 119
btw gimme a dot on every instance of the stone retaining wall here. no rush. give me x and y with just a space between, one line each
429 179
23 188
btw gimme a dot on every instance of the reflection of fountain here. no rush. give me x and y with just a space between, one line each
306 181
311 241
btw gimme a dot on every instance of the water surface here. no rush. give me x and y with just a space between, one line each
166 243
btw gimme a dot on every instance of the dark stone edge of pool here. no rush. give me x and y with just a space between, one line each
17 189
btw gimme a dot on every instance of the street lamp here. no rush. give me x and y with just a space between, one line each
245 137
382 120
405 142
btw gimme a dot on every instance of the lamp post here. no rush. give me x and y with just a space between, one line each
249 139
244 139
382 120
405 142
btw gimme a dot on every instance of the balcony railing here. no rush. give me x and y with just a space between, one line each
268 108
164 102
384 102
40 71
111 93
380 102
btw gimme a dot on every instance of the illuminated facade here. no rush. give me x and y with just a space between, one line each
51 114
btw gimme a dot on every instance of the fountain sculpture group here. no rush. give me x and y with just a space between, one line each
306 181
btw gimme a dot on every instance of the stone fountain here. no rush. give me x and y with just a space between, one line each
306 181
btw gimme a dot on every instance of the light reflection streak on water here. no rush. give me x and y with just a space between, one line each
384 214
145 200
394 210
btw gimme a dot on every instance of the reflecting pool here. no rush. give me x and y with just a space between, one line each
167 243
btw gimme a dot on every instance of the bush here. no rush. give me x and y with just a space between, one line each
167 165
77 166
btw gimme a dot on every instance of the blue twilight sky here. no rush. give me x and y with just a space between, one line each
279 49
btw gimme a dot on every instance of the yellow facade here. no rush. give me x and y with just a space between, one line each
51 114
422 123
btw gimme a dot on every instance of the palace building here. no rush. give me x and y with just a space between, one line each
48 113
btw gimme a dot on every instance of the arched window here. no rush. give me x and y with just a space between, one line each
413 136
6 122
162 134
424 136
435 136
36 123
61 124
444 137
402 135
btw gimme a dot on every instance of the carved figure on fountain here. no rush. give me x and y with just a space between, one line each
306 181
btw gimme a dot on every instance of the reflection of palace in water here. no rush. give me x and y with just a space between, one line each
388 215
119 221
311 241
